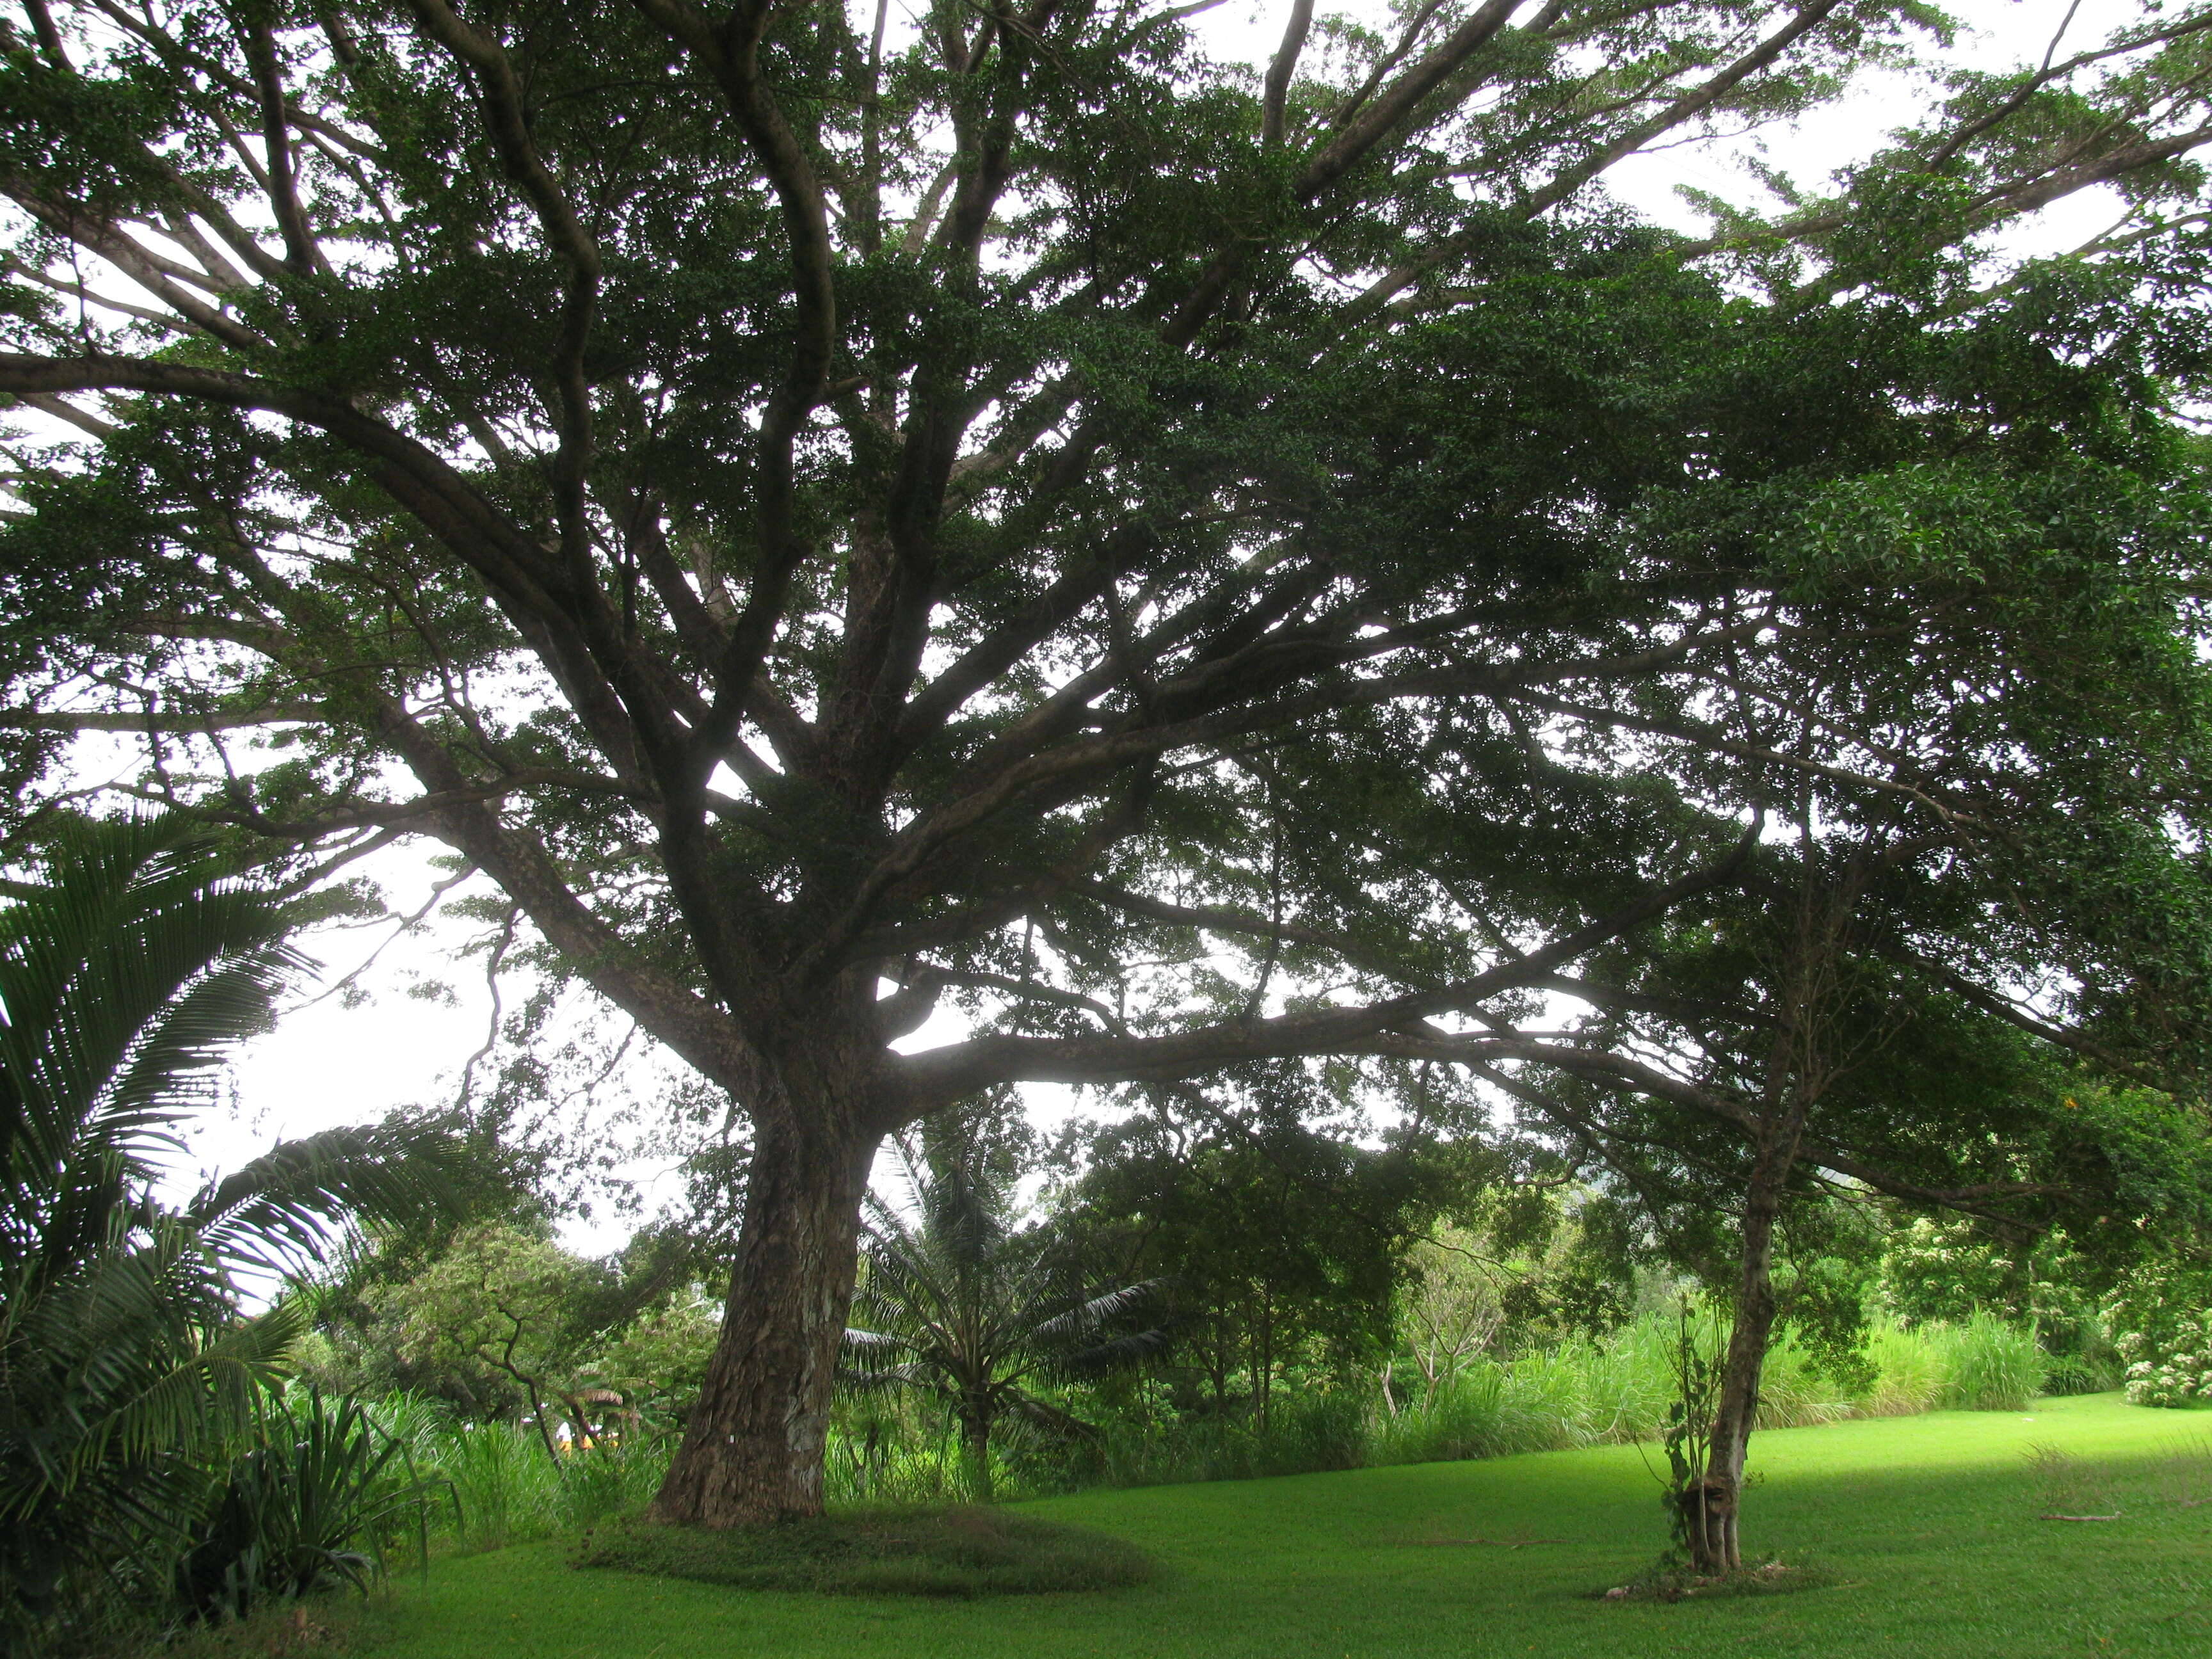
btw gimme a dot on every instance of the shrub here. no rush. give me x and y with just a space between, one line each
307 1509
2165 1335
2065 1374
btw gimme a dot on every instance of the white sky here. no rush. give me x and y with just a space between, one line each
328 1064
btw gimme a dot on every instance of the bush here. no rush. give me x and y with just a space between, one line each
2164 1335
2065 1374
307 1510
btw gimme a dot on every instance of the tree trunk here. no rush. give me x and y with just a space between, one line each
537 1416
976 1435
754 1448
1713 1541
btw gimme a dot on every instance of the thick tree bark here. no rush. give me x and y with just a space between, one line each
754 1449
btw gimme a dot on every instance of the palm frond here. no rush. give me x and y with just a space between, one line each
1116 1353
203 1398
126 1366
124 978
1102 1310
972 1307
281 1207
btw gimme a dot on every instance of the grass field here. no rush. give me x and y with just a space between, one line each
1927 1527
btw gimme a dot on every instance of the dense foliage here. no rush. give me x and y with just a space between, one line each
1194 570
960 1302
132 1364
2162 1327
502 1323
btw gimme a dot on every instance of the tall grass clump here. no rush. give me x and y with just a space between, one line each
1466 1417
1578 1394
1584 1393
1910 1367
610 1481
503 1480
505 1488
1794 1392
1988 1365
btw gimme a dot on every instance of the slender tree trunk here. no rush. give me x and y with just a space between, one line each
1261 1346
537 1416
1714 1545
1219 1358
754 1448
1801 1064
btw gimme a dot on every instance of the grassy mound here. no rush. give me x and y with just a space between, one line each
958 1552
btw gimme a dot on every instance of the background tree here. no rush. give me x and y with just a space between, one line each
1449 1310
958 1303
1788 1055
798 506
505 1323
1275 1241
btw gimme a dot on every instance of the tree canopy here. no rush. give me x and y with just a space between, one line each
802 504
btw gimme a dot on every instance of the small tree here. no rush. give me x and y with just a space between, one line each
505 1322
1448 1309
966 1307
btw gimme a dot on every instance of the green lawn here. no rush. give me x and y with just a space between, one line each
1930 1526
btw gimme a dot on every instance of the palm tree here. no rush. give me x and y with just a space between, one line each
966 1307
127 1363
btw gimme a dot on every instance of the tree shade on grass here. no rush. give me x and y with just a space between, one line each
1929 1527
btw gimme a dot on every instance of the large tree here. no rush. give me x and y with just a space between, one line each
800 503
